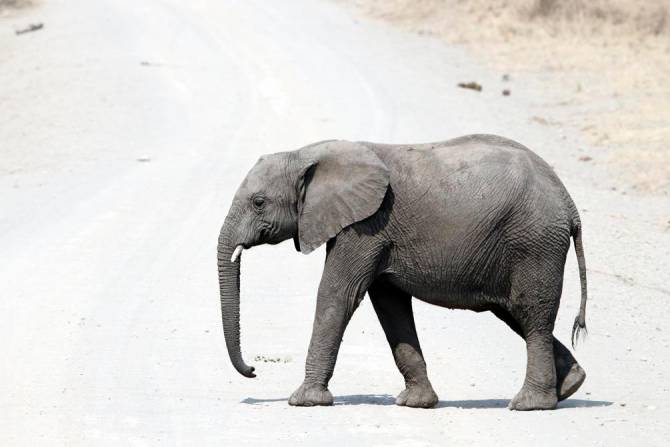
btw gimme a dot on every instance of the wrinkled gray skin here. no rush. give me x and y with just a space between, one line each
478 222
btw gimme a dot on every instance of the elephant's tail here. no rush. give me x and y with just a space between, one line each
580 320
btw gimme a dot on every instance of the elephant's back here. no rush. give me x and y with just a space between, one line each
472 165
475 180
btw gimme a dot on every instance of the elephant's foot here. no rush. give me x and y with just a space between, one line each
309 395
566 386
533 399
418 395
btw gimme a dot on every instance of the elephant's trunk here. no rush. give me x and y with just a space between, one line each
229 287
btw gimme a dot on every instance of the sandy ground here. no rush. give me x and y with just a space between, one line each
125 128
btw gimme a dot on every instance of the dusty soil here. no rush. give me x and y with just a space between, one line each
604 64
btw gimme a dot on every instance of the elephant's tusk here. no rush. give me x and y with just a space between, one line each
236 253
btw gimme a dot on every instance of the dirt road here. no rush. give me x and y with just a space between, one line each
125 128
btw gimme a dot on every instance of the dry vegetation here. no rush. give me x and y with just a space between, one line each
7 4
606 61
13 8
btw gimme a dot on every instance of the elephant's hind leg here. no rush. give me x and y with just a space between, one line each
394 310
534 300
569 374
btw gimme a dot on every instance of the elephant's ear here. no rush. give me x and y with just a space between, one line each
341 183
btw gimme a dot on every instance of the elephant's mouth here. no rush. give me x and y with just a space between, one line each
272 236
269 236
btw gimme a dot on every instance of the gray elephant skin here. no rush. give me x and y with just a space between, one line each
478 222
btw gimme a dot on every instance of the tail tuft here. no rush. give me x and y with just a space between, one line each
578 328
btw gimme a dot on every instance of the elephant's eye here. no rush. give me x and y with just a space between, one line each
258 202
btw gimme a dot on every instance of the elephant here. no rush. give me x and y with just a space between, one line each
478 222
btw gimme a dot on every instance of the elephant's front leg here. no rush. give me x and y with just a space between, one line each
394 309
343 285
332 315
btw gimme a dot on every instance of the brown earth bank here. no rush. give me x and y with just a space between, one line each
604 63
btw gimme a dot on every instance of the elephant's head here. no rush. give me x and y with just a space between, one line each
308 195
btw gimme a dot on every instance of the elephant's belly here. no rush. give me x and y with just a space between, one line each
458 300
448 291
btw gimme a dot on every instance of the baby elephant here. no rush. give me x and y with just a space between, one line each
478 222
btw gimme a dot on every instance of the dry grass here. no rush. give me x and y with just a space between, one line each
608 61
14 3
637 17
10 8
508 18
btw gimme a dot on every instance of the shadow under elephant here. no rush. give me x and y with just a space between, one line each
470 404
